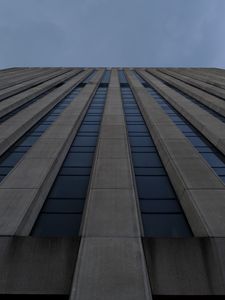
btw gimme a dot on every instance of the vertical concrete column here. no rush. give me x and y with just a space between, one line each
30 83
209 78
212 128
19 78
205 97
111 262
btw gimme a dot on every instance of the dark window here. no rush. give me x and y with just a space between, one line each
78 160
63 206
11 159
160 206
154 187
150 171
141 141
85 141
75 171
70 187
29 141
196 141
143 149
213 160
89 128
165 225
57 225
161 212
146 160
82 149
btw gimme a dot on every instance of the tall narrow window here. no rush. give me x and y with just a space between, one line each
161 212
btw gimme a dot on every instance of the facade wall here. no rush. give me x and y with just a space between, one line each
112 182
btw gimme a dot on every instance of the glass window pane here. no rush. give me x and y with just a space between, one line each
57 225
78 160
70 187
160 206
164 225
63 206
154 187
146 160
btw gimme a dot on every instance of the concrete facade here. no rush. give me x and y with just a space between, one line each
112 256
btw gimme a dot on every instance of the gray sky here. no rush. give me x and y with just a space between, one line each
112 33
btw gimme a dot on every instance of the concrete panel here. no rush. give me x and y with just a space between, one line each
195 83
8 73
181 267
187 173
47 148
28 174
111 213
37 266
113 110
174 148
111 174
113 131
12 200
60 131
213 80
113 119
110 268
112 148
19 77
167 131
210 205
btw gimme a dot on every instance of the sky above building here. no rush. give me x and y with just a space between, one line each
112 33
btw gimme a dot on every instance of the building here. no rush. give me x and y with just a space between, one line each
112 183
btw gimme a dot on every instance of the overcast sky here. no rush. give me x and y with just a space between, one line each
112 33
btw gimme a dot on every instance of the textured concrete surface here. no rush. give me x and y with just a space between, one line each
112 173
37 265
20 76
179 267
210 204
192 80
207 77
13 78
15 89
111 213
110 268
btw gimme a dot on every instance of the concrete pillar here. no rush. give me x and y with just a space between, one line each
111 262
